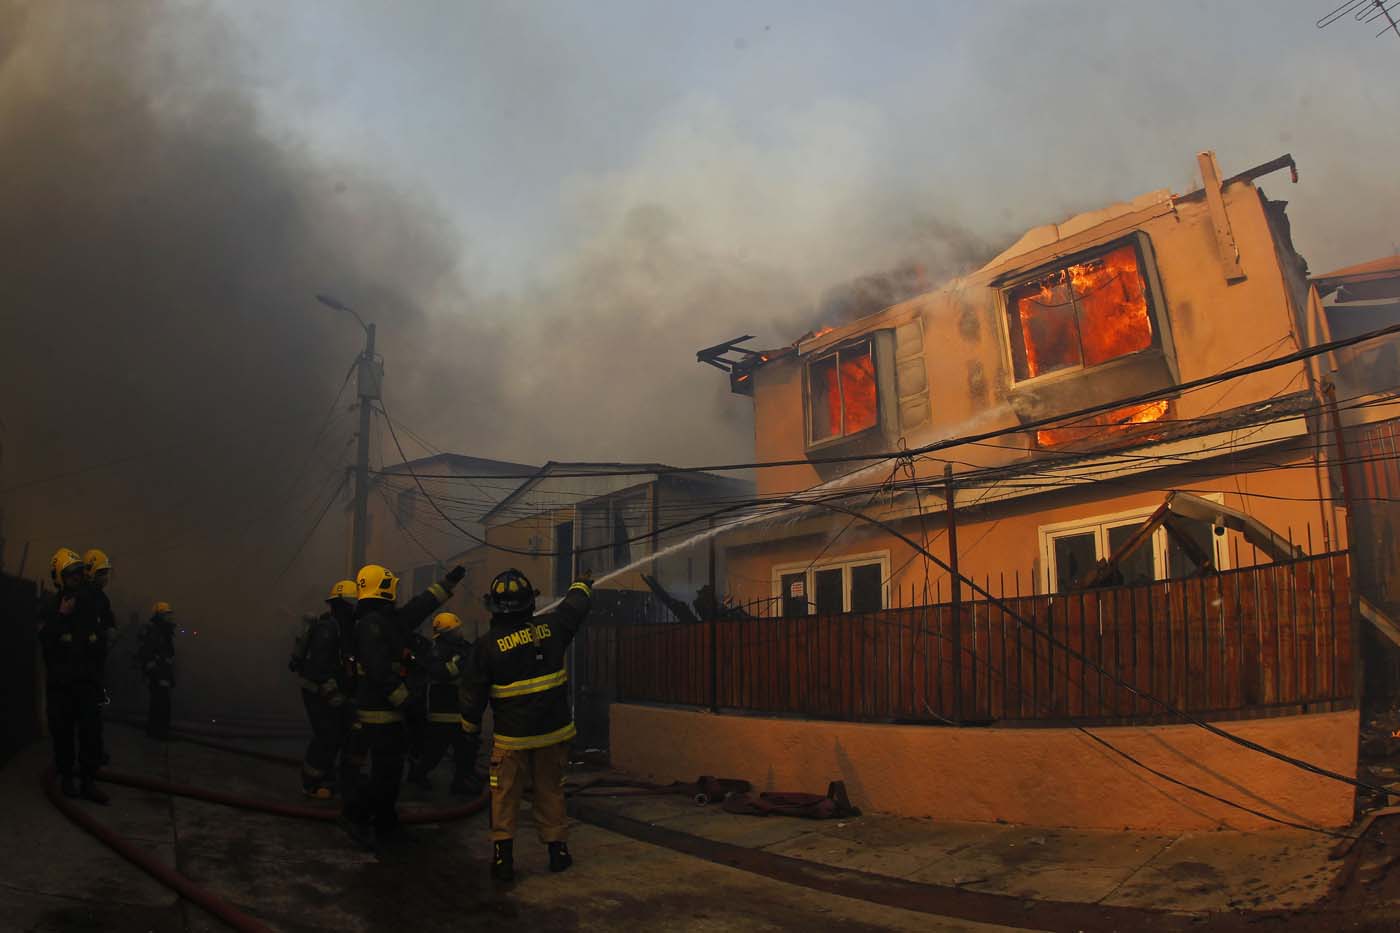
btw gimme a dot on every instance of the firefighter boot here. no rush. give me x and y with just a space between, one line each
70 787
559 857
94 793
503 861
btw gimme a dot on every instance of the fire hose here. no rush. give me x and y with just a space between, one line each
179 883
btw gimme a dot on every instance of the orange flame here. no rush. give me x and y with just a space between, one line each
822 332
1096 428
1084 314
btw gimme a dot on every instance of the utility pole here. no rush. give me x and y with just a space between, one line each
956 580
368 383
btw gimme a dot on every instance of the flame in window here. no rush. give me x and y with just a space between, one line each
844 399
1097 428
1082 315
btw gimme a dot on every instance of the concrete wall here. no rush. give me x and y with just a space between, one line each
1038 777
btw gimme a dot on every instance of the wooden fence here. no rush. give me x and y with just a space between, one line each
1274 635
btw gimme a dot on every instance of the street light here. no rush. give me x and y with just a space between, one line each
367 386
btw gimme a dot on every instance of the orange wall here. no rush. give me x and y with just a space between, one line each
1005 539
1036 777
1215 326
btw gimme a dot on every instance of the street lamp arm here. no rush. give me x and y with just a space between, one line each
335 305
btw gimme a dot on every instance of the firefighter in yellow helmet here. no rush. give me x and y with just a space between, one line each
318 659
156 656
519 669
97 569
382 631
446 659
75 651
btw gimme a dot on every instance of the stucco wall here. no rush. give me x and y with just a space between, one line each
1038 777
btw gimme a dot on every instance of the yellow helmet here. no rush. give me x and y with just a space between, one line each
161 609
445 622
377 582
63 560
96 561
344 589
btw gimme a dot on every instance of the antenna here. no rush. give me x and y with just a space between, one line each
1365 11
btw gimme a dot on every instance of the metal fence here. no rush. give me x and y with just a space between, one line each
1270 636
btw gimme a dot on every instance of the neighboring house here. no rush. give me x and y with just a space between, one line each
405 532
604 517
1109 304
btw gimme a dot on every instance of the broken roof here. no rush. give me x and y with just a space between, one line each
1377 278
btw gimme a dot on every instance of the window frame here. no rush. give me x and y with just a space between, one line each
1100 525
868 341
844 563
1152 293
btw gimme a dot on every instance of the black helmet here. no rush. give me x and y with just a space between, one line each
510 593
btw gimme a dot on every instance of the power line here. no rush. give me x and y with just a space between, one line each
1034 424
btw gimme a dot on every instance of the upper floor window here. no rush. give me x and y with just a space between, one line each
1081 313
842 396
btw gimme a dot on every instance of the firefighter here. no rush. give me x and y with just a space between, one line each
75 650
317 658
381 635
98 571
519 669
156 656
446 659
416 658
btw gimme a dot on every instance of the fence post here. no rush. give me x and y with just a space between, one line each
956 582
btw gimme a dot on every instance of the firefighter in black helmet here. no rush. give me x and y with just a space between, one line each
519 669
75 650
97 568
382 635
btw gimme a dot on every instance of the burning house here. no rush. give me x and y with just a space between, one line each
1122 505
1129 300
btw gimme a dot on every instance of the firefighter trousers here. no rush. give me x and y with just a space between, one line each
377 800
158 714
439 737
327 738
510 770
74 715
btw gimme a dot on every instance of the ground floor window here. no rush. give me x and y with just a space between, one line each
1069 550
847 584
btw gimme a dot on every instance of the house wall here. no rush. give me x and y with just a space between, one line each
1215 325
1036 777
1004 539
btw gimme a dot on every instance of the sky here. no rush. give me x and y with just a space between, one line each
547 208
1000 116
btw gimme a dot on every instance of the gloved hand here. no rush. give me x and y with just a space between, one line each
398 695
456 574
586 578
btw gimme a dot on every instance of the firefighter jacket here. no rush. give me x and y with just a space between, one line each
156 655
447 658
519 668
322 668
75 647
383 658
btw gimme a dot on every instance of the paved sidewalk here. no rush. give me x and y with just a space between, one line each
1188 872
298 875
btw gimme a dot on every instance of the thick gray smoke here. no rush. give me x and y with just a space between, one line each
167 367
